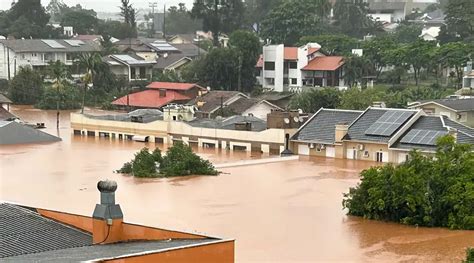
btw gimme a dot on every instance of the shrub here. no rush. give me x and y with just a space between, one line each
69 98
423 191
469 255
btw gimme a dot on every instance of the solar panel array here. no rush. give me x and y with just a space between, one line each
163 46
424 137
52 43
388 123
74 42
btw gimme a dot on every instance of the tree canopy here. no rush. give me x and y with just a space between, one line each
179 21
26 87
423 191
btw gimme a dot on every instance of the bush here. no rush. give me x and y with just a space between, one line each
179 161
423 191
26 87
69 98
469 255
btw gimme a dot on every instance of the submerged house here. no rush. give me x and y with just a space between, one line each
12 132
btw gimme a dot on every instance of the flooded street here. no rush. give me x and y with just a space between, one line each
277 212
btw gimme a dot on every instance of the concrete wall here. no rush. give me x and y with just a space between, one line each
274 53
259 110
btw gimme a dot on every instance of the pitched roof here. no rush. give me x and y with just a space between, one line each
357 130
325 63
243 104
150 99
6 115
440 124
189 49
166 61
454 104
4 99
212 100
87 37
173 86
312 50
38 45
129 59
321 127
12 132
24 231
290 53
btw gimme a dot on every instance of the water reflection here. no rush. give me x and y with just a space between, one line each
277 212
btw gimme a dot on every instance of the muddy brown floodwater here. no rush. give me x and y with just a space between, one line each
278 212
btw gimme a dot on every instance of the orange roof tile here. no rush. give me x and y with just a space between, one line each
259 62
325 63
150 99
173 86
291 53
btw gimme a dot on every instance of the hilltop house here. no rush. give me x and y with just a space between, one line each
37 53
159 94
283 68
460 110
130 66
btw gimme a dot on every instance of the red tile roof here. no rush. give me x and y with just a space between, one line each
325 63
311 50
291 53
173 86
150 99
259 62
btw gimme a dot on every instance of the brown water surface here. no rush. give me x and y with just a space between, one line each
277 212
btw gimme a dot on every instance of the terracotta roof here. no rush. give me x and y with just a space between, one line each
150 99
325 63
291 53
173 86
259 62
311 50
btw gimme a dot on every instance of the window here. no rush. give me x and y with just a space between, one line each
294 81
133 73
285 81
379 157
34 54
69 56
143 73
366 154
270 81
269 66
293 65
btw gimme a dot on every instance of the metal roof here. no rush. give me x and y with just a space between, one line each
458 105
131 59
321 127
23 231
41 45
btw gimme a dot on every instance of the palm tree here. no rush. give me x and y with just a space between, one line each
91 63
58 72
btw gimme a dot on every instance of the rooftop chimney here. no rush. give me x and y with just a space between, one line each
341 131
107 216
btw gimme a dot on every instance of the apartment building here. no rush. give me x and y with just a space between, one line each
37 53
283 68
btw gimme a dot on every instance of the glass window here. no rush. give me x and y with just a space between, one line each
294 81
293 65
269 66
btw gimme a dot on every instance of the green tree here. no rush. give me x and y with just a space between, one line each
180 160
418 55
248 47
179 21
69 98
82 22
424 191
256 10
374 51
356 69
360 99
293 19
26 87
129 16
469 255
407 32
460 19
332 44
351 18
314 99
90 64
219 16
28 19
456 55
59 73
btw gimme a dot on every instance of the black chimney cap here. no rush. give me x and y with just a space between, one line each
107 186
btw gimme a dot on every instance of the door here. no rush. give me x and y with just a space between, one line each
352 154
330 152
303 149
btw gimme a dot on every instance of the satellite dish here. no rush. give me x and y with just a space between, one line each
301 119
296 119
300 111
286 120
208 88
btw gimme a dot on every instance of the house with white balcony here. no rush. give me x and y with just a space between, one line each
283 68
130 66
38 53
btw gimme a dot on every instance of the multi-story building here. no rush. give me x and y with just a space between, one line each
283 68
38 53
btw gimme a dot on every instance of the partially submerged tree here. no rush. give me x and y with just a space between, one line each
26 87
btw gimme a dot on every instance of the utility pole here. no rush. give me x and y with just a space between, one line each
164 22
152 5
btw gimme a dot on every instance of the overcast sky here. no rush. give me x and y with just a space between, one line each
107 5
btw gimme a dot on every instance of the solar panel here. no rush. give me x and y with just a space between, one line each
74 43
388 123
163 46
424 137
52 43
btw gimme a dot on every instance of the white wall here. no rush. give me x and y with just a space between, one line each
259 110
274 53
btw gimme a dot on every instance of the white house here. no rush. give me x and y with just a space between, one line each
131 66
283 68
430 33
37 53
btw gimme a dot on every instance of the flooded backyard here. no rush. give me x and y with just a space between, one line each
277 212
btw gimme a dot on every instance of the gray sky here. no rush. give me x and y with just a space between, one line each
107 5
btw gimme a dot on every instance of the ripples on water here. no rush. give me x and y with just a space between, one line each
277 212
